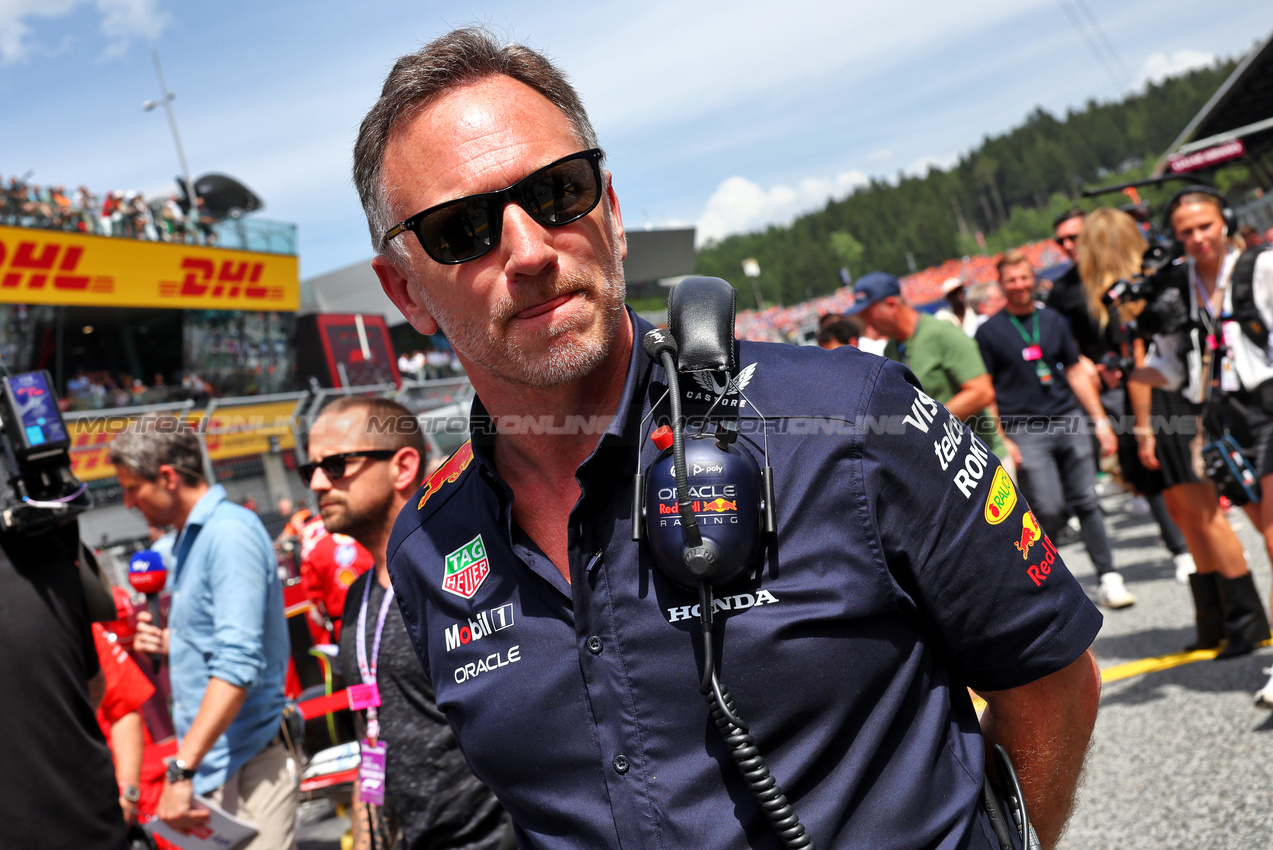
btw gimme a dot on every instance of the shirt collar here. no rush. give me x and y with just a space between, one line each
203 508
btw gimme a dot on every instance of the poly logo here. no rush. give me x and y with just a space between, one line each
466 569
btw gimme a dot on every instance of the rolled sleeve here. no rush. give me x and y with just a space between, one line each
240 588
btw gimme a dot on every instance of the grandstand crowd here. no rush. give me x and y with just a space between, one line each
129 214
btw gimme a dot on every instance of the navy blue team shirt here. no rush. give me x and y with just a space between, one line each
907 567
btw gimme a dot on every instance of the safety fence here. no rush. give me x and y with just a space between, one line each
247 437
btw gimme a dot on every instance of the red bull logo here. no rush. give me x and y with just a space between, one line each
1030 534
447 473
1001 499
1039 572
718 506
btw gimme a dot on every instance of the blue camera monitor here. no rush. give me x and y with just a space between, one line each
32 417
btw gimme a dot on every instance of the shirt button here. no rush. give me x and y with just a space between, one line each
621 764
594 645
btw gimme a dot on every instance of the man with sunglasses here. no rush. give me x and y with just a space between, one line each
566 663
226 639
366 459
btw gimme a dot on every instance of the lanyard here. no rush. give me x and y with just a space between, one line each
368 670
1033 339
1033 352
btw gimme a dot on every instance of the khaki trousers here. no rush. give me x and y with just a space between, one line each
264 792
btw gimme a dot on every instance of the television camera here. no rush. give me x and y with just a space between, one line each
40 493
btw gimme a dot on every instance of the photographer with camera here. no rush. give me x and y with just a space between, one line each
1205 313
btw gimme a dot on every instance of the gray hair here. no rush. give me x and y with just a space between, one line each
460 57
979 293
155 440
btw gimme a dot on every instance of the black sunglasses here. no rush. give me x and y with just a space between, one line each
333 466
1061 240
467 228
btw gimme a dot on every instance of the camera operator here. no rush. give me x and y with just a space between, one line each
1226 394
58 784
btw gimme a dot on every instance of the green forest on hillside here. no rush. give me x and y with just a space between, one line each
1008 188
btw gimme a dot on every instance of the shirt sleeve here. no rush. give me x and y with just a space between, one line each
127 688
1163 356
1069 354
985 346
239 577
963 357
962 544
1262 284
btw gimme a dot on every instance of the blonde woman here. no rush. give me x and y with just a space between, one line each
1113 248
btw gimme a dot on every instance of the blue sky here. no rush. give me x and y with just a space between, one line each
729 116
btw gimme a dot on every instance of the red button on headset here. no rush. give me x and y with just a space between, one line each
662 437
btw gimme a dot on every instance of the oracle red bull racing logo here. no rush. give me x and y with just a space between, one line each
717 505
466 569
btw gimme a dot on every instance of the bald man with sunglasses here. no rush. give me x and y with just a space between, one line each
366 458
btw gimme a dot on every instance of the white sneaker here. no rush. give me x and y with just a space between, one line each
1185 567
1138 506
1113 593
1264 696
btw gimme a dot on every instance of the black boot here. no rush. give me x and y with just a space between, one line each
1207 611
1244 617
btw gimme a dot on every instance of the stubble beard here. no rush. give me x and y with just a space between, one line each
362 525
571 350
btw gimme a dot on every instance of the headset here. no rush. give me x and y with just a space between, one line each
1226 211
706 507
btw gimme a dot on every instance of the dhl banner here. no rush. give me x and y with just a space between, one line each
230 432
53 267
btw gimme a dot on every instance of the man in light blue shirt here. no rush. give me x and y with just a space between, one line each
226 638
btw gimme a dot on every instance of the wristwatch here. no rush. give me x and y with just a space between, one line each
178 771
131 793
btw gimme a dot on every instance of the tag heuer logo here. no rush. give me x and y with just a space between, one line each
466 569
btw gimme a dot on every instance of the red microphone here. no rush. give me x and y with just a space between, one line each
147 574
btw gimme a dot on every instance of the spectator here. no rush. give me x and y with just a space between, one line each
229 644
957 311
943 358
841 330
985 299
430 792
1024 346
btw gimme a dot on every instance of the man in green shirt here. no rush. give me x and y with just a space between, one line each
946 361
